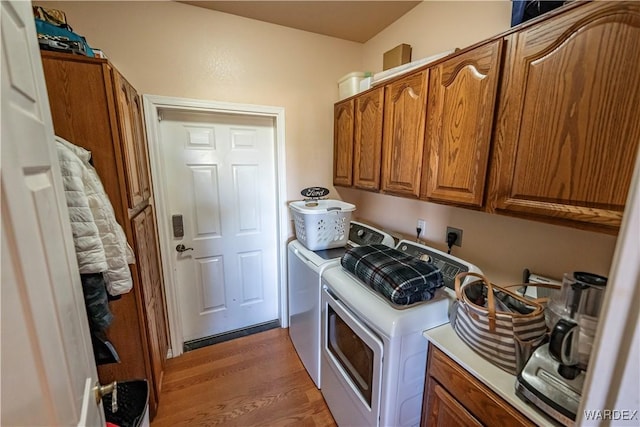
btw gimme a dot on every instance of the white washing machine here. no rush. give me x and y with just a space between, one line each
304 271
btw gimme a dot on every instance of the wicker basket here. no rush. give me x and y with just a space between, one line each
322 224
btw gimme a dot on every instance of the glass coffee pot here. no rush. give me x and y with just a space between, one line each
572 317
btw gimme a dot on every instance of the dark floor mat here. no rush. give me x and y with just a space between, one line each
215 339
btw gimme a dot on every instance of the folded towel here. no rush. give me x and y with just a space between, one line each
401 278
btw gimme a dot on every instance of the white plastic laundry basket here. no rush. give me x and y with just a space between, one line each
322 226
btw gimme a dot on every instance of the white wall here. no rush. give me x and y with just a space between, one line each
437 26
501 246
173 49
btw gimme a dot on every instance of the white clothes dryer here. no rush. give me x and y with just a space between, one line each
304 271
373 352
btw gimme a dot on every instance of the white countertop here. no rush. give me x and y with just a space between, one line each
501 382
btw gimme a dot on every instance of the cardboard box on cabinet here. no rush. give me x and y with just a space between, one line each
399 55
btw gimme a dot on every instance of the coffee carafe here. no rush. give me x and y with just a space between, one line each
572 317
553 377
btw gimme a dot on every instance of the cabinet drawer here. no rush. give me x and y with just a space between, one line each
478 399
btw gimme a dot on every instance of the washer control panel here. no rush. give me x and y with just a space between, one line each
361 234
449 265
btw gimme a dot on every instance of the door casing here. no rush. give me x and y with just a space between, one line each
153 104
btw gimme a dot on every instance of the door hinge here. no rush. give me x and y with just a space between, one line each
159 116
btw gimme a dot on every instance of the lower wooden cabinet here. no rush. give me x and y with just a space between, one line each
454 397
445 410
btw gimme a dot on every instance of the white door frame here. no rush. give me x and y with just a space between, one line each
152 106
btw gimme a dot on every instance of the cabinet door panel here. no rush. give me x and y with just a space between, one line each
134 145
83 110
462 95
569 132
142 156
154 346
143 265
128 135
161 329
484 404
343 144
403 142
153 256
151 285
152 251
368 139
444 410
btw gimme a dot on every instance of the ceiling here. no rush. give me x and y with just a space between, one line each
357 21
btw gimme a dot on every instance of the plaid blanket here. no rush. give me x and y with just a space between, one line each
401 278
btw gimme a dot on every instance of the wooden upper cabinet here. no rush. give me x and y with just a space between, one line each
368 139
403 140
85 114
461 104
133 142
343 143
568 130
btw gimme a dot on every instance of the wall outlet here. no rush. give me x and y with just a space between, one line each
458 233
422 225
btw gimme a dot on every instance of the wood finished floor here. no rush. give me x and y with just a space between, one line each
256 380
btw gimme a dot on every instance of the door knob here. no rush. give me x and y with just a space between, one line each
102 390
181 248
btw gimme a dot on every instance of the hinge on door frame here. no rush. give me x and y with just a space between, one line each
159 116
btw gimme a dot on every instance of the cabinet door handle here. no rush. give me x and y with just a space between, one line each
181 248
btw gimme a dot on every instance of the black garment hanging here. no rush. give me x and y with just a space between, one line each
96 301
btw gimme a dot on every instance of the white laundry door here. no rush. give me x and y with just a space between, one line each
47 371
220 177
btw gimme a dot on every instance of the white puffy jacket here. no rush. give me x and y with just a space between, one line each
101 245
